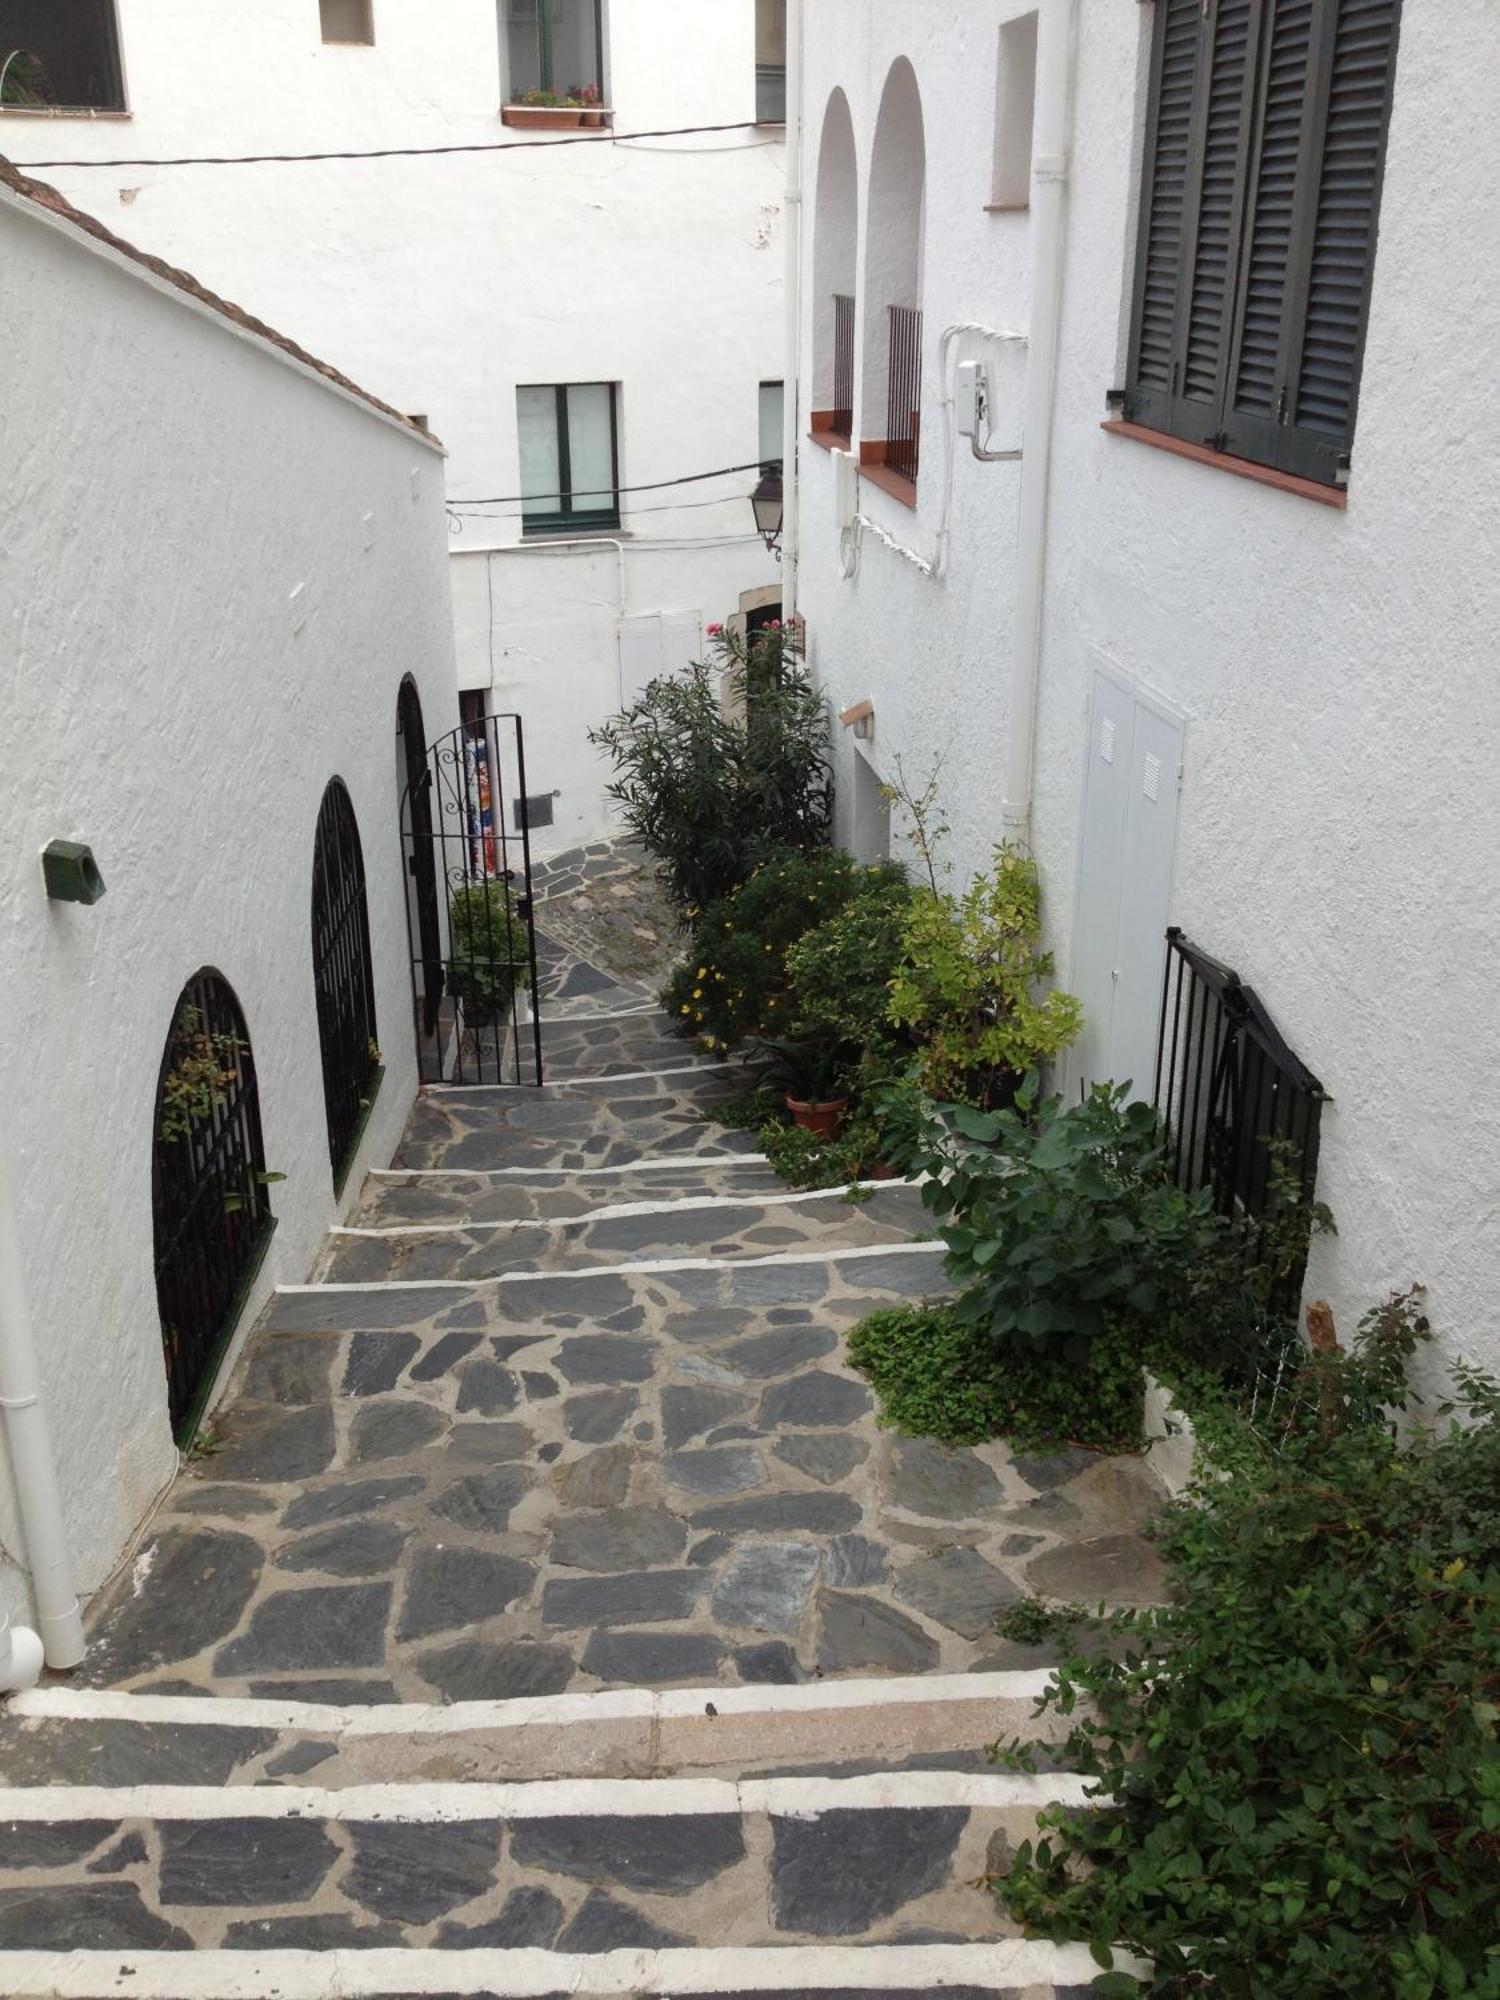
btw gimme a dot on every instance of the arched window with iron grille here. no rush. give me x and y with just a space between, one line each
210 1199
343 977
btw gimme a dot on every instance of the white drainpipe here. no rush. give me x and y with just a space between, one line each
60 1627
1049 203
791 434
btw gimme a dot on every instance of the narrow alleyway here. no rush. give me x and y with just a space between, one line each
552 1492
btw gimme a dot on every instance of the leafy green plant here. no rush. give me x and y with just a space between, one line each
1296 1758
488 948
839 973
804 1161
967 984
811 1068
203 1069
937 1375
1033 1622
733 984
719 768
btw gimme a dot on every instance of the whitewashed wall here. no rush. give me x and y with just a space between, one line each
170 483
1339 818
441 283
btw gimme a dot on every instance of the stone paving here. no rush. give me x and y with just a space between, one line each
572 1125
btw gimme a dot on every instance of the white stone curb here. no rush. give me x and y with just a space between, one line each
412 1176
626 1211
662 1266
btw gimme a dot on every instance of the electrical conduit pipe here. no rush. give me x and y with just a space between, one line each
59 1634
791 430
1049 200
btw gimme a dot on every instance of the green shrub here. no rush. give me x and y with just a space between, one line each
1300 1748
488 947
966 984
939 1376
733 984
839 974
804 1161
720 767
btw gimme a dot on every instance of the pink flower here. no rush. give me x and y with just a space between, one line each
716 631
775 624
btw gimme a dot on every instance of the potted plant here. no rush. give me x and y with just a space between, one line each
554 110
488 948
810 1072
591 99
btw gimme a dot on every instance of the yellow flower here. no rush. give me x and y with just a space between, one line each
699 1015
687 1010
765 947
697 992
701 973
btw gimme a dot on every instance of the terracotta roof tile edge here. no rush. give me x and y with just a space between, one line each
44 196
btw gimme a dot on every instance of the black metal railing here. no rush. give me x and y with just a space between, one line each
903 403
343 978
210 1203
1232 1095
421 869
841 418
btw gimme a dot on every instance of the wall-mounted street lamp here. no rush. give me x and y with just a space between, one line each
71 873
768 503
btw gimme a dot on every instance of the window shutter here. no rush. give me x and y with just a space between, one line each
1328 340
1164 194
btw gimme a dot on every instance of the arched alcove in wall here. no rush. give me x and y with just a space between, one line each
890 409
835 253
343 976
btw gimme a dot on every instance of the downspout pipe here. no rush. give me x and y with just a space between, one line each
791 484
1052 134
59 1633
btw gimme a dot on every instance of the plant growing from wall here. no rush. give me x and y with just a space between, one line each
966 986
719 768
1297 1760
203 1069
487 949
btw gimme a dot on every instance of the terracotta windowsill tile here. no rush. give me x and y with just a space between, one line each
1223 461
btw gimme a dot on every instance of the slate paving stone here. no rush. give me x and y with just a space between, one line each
275 1447
927 1478
837 1874
591 1299
489 1439
291 1369
765 1355
649 1658
620 1538
230 1502
448 1588
602 1357
815 1513
129 1851
863 1632
959 1589
354 1548
602 1924
530 1917
648 1597
1115 1569
326 1625
1043 1470
484 1670
92 1916
201 1581
322 1933
50 1844
488 1387
776 1284
767 1586
687 1413
852 1560
377 1362
712 1549
539 1388
79 1752
504 1345
602 1479
337 1693
482 1501
828 1456
771 1664
356 1496
298 1758
715 1474
666 1855
392 1429
372 1310
237 1863
415 1872
813 1402
709 1322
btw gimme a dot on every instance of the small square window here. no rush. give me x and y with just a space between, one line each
1015 113
347 20
770 62
63 57
569 436
772 420
554 49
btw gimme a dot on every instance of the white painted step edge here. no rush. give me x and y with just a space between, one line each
627 1211
547 1176
434 1804
465 1718
344 1974
441 1090
650 1267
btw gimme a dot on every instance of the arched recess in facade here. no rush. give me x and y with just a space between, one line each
890 412
414 811
210 1195
835 258
343 977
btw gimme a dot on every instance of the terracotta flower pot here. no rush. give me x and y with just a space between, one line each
822 1120
542 117
881 1171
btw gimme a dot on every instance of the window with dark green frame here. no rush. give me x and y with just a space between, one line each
553 45
570 456
1260 200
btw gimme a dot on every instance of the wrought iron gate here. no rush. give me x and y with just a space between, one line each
210 1203
342 977
421 864
454 831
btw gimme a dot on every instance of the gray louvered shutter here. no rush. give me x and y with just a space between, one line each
1170 122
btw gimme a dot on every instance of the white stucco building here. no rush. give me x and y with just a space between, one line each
1218 644
220 564
576 316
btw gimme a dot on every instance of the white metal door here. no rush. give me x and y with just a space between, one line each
1124 883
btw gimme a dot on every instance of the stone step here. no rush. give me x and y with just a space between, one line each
627 1232
646 1477
394 1199
65 1736
611 1047
592 1122
580 1866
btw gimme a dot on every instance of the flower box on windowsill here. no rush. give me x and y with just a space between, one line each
556 117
